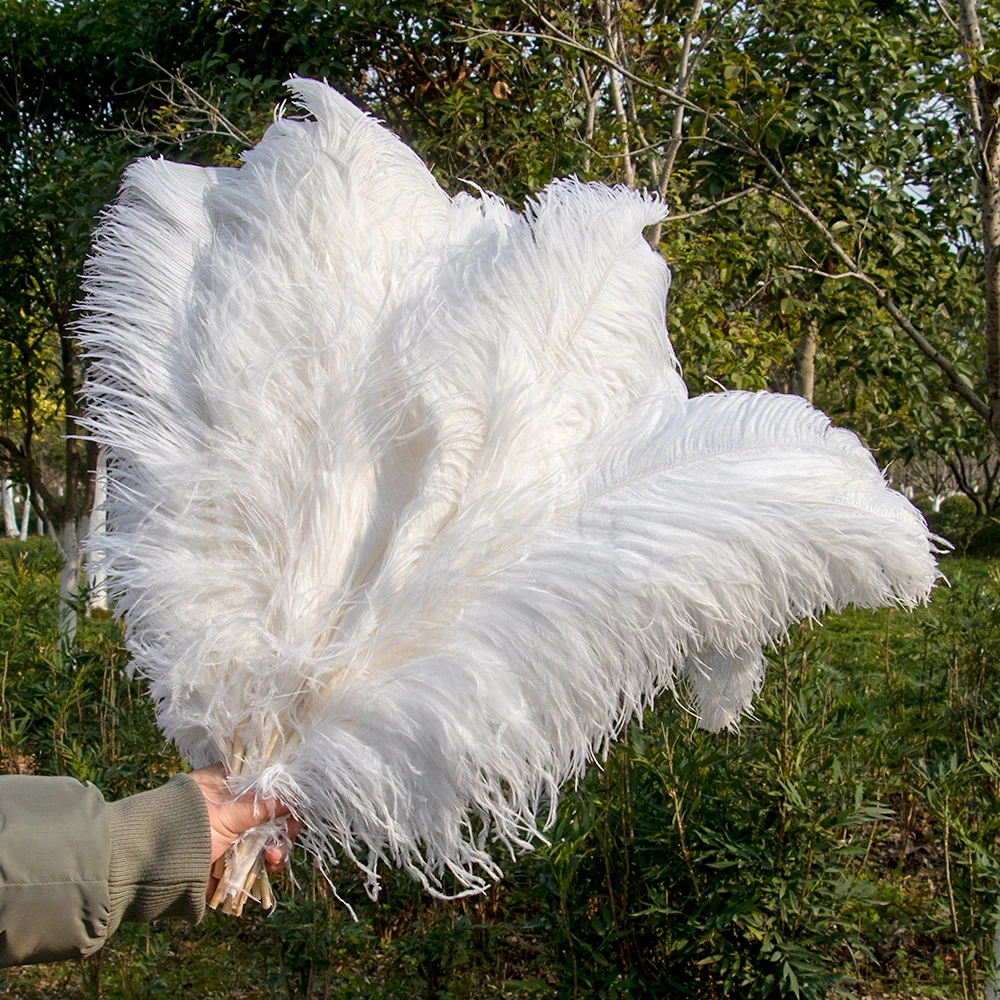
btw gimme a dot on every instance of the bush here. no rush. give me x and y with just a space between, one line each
974 536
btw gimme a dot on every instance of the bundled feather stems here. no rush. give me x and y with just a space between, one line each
410 509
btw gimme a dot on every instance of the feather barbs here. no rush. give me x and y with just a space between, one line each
410 509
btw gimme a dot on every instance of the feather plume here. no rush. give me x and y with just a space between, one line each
411 511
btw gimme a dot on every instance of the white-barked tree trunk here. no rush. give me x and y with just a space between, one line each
26 515
9 518
97 578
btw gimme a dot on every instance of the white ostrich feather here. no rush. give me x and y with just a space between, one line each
410 509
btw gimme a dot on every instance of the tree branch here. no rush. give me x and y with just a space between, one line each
685 71
612 62
821 273
194 105
32 477
680 216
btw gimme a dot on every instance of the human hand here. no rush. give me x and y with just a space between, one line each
229 817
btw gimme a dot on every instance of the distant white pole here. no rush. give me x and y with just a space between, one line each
26 514
97 578
40 525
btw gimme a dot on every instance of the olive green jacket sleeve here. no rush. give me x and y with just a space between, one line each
72 867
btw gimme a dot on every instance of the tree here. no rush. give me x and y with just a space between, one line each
835 137
66 71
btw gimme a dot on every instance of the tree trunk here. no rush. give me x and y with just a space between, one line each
97 585
69 585
966 482
984 97
9 518
75 509
804 362
611 38
26 514
664 171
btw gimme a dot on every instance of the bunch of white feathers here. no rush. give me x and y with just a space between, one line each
410 510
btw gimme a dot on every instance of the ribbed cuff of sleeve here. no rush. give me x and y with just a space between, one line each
161 850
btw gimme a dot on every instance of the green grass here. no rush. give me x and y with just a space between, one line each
844 841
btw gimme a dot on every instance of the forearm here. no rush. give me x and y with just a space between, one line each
72 868
160 854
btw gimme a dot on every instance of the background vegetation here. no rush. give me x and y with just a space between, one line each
847 839
827 164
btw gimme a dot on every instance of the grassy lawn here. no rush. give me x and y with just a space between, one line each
844 841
